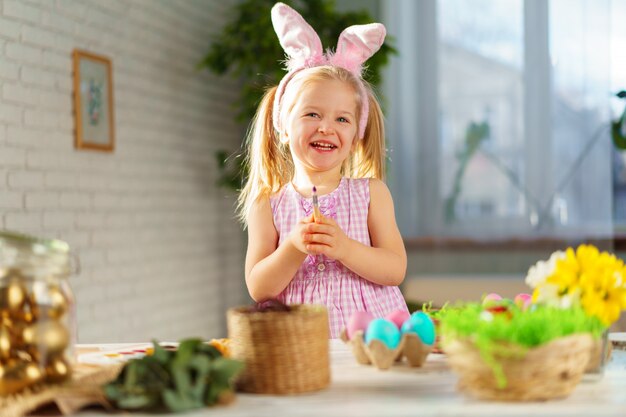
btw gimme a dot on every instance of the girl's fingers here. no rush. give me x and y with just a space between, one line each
315 238
319 241
320 238
317 249
321 229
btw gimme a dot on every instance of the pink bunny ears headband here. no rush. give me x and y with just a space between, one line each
304 50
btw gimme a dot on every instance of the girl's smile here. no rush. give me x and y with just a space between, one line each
323 146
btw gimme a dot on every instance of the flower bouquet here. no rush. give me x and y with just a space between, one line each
587 278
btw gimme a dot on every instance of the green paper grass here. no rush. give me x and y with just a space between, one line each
503 334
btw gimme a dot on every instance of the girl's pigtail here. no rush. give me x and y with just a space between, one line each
368 160
268 162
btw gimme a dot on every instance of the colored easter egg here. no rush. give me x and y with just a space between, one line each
491 298
358 321
422 325
398 317
385 331
501 309
522 300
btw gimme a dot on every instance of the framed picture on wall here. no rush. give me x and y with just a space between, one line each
93 101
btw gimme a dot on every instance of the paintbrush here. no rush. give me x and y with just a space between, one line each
317 215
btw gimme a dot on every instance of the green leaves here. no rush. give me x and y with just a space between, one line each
194 376
231 169
618 127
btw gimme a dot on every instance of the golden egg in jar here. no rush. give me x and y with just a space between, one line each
23 355
17 375
23 316
5 343
59 303
34 354
9 381
32 372
13 297
57 369
50 336
5 319
48 301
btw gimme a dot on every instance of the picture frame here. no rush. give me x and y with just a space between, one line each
93 101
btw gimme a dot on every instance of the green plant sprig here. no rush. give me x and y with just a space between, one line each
194 376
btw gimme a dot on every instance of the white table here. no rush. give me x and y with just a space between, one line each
359 390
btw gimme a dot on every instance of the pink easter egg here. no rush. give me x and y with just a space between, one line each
493 296
523 300
359 321
522 297
490 299
398 317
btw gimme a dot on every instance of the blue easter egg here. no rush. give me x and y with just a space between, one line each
385 331
422 325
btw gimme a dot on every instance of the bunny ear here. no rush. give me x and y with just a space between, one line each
297 37
357 44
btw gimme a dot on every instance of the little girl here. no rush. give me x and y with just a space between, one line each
321 128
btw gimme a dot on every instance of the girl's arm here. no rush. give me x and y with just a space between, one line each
269 267
382 263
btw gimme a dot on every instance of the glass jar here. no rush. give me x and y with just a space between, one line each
37 312
599 357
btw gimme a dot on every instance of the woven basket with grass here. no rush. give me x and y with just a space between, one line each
285 352
545 372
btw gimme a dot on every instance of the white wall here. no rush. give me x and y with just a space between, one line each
161 255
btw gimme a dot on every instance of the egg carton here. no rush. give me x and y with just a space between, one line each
377 353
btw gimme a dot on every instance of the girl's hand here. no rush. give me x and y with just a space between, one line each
325 237
298 235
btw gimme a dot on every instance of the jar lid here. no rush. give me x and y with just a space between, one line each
32 253
37 246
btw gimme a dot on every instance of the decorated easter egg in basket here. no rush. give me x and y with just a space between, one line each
382 342
358 322
420 324
398 317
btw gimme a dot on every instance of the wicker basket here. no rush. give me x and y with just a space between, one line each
283 352
543 373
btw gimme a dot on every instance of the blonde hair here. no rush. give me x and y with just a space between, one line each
269 162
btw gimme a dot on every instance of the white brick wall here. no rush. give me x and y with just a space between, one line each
160 254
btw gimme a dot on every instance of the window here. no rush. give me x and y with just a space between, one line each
498 117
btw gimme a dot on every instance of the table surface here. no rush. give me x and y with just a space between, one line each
361 390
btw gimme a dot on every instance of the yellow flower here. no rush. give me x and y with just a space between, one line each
566 273
604 292
596 280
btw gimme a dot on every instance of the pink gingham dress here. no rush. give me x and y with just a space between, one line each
321 280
